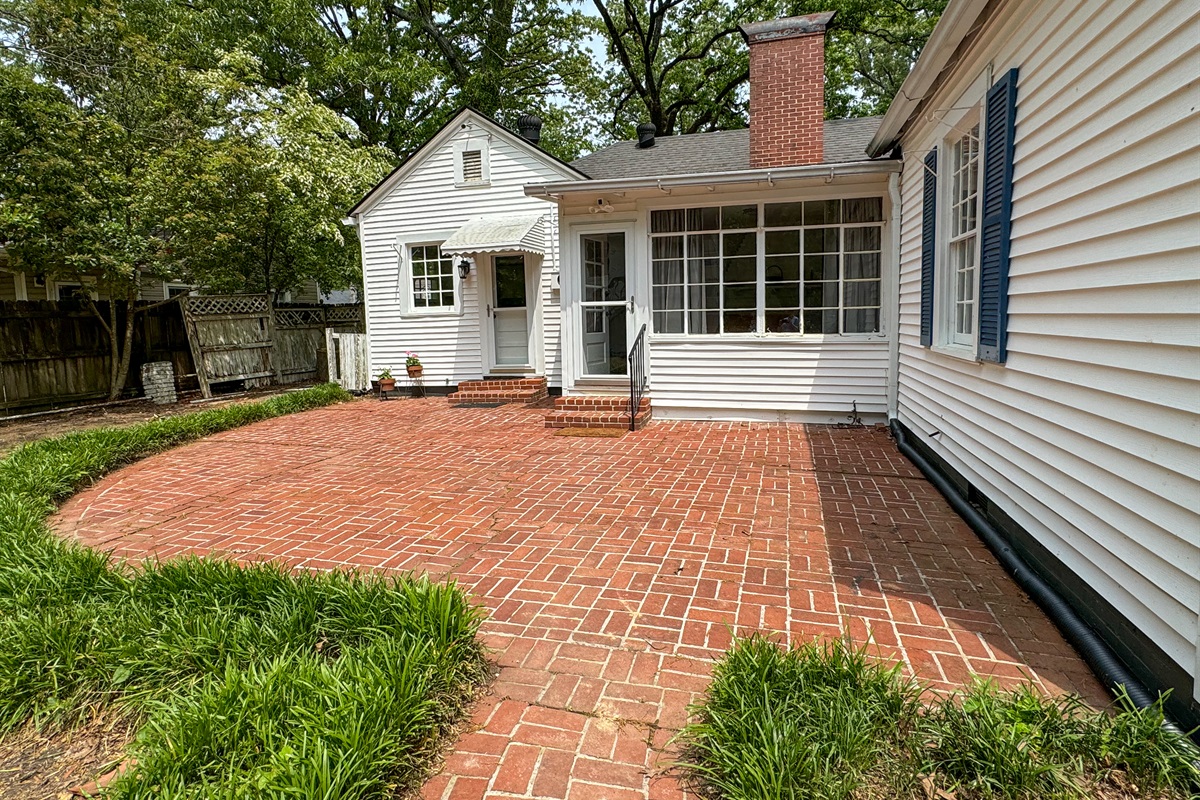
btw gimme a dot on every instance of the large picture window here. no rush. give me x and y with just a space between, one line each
778 268
432 278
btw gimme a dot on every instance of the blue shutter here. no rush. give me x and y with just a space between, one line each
928 245
995 232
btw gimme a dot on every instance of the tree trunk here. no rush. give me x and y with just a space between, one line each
121 368
114 390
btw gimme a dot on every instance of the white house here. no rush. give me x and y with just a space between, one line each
760 262
1007 264
459 265
1049 300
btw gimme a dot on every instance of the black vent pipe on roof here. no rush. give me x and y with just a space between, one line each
645 133
1103 661
529 126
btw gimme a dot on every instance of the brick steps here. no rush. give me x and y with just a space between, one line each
581 411
500 390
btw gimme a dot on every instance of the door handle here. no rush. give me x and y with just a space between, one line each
489 309
629 304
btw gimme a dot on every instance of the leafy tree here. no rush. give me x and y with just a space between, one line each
256 204
682 64
399 69
84 106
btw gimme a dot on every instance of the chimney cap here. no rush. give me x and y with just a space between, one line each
786 27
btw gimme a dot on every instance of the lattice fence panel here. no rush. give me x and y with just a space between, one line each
211 305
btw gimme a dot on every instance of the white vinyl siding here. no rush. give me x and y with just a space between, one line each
769 380
1089 436
427 206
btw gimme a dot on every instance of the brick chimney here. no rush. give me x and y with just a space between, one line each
787 90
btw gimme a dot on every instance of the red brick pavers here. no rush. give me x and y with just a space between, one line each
613 570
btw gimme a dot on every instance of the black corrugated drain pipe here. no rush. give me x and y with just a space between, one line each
1095 652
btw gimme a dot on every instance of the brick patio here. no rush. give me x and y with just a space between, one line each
612 569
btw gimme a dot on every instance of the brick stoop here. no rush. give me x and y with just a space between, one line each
586 411
500 390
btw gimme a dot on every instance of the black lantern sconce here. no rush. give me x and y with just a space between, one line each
464 267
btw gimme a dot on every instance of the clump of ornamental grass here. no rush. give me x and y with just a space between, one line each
247 681
827 721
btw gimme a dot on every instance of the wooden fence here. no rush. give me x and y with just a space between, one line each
57 353
236 337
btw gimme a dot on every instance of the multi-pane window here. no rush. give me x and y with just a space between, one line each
964 224
432 277
820 268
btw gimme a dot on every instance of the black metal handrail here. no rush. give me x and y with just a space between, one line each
637 376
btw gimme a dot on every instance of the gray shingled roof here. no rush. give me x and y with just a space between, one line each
723 151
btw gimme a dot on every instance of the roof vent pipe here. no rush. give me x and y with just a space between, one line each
645 133
529 126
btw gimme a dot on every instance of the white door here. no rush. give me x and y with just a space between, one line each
510 312
604 304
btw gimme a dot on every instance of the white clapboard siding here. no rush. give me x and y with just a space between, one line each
1089 436
813 382
424 207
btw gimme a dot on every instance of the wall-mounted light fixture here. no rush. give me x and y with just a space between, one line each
464 267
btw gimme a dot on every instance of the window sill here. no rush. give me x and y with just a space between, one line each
471 184
959 351
785 339
423 314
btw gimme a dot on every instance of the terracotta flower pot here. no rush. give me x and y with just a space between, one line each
415 371
387 384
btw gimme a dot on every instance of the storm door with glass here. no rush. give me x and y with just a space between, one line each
510 313
603 304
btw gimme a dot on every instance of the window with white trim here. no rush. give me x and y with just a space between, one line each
805 267
432 278
962 267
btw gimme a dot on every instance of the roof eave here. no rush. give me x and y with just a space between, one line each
714 178
955 23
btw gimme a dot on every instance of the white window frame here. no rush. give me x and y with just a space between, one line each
761 231
954 243
409 308
188 288
481 145
967 114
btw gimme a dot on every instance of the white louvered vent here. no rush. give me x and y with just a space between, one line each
472 166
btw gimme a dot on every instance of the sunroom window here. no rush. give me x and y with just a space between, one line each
820 268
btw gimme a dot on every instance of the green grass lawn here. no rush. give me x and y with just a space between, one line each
828 722
246 681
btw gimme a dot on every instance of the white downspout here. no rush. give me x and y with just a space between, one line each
893 385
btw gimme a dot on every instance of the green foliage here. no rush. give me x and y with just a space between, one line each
250 681
811 722
682 64
826 722
256 204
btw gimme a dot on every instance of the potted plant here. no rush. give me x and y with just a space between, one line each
413 364
386 382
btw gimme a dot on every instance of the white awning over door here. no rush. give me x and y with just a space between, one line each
499 233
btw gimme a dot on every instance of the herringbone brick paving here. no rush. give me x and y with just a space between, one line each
613 570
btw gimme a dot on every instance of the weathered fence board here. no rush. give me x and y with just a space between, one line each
348 364
57 353
241 337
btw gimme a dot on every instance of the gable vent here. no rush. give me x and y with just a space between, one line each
472 165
